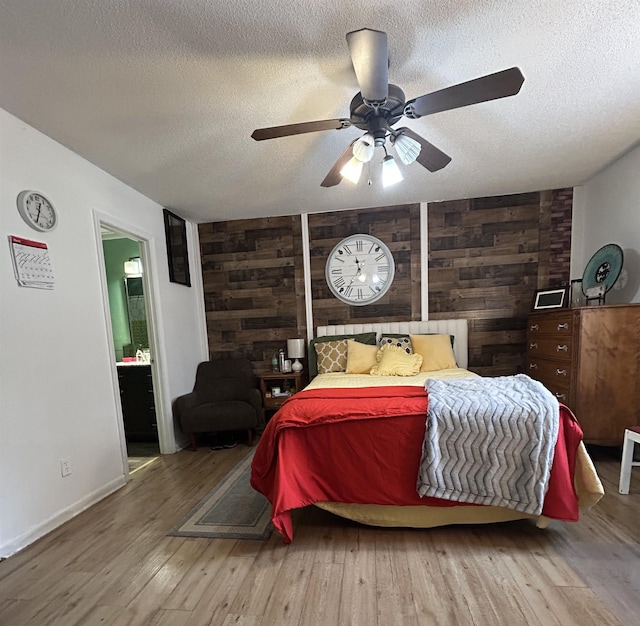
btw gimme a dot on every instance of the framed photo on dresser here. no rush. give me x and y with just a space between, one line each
545 299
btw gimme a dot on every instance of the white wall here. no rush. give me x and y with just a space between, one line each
607 210
57 395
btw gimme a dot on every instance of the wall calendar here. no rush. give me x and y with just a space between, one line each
31 263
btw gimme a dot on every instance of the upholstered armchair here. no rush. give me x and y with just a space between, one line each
226 396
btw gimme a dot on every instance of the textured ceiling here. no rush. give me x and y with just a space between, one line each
164 94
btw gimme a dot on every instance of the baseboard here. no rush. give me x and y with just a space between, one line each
39 531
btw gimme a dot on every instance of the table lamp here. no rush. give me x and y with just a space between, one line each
295 350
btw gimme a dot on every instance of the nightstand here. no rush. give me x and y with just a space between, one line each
289 383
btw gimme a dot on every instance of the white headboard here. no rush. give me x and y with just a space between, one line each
455 327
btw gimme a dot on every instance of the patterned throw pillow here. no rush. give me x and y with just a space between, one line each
394 361
368 338
402 341
332 356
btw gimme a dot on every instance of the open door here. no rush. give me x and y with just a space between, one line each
129 320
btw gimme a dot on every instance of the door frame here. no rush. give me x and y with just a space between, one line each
166 435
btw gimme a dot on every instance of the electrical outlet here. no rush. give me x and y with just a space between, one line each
65 467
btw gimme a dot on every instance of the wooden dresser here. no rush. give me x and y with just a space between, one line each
589 357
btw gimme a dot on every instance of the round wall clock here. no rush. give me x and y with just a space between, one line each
37 211
359 270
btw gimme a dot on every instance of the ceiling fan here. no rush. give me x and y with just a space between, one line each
379 105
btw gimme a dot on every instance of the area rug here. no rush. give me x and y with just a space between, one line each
231 510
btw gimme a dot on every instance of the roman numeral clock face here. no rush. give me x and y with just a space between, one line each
359 270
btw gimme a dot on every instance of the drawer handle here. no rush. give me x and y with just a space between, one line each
534 327
533 366
564 348
561 396
560 372
533 346
564 326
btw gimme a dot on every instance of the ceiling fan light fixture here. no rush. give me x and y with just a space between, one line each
352 170
408 149
391 173
363 148
379 105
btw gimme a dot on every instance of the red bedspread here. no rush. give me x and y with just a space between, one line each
364 446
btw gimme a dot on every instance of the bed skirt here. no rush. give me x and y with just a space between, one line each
587 484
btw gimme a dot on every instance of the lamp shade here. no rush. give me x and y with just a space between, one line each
363 148
352 170
408 149
390 172
133 267
295 348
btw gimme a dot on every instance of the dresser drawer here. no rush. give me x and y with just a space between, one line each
559 349
562 393
550 371
561 389
558 326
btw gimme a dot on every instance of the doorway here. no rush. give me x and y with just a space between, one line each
131 331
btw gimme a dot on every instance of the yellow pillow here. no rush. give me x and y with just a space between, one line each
332 356
360 357
394 361
436 351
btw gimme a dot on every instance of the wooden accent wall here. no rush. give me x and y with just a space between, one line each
253 286
399 228
560 240
487 257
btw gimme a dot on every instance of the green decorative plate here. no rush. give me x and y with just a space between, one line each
603 268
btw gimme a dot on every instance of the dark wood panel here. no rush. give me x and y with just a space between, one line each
487 256
253 283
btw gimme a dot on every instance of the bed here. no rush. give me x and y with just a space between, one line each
354 443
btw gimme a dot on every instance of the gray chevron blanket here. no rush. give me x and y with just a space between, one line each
489 441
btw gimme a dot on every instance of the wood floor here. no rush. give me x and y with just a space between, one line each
114 564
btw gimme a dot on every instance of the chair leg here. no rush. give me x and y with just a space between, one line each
193 442
249 437
625 465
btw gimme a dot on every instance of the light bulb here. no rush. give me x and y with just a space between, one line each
352 170
390 171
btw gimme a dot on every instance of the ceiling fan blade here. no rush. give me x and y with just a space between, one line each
370 58
491 87
297 129
334 177
430 157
